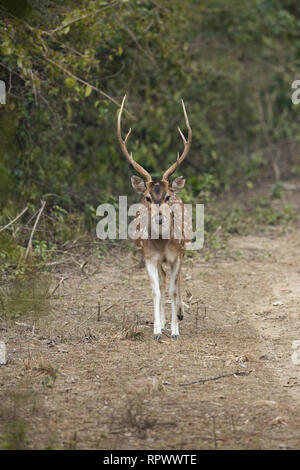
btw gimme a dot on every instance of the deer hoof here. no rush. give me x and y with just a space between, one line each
157 337
175 336
180 317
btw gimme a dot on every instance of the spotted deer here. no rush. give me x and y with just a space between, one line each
165 211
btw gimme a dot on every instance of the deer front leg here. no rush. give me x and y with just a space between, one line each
162 285
177 313
152 269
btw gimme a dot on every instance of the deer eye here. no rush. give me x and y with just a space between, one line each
148 198
167 198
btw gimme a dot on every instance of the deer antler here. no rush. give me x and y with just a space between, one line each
187 145
123 145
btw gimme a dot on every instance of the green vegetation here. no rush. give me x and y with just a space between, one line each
15 431
26 297
68 64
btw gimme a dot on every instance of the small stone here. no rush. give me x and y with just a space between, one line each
3 361
267 357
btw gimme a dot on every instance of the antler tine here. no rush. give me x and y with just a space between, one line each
128 134
123 145
180 132
187 145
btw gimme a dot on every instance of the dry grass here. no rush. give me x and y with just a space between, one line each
97 380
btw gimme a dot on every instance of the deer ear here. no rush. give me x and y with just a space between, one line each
178 184
138 184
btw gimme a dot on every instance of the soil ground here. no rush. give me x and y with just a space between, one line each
86 380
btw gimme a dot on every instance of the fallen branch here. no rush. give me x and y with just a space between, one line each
218 377
14 220
29 246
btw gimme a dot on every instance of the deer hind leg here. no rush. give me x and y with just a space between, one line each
175 297
153 272
162 285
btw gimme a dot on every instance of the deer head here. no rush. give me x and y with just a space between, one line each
156 194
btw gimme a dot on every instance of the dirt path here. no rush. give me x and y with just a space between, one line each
228 383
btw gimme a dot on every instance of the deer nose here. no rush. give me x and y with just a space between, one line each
159 219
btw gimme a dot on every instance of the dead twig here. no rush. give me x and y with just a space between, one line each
83 265
56 287
24 325
214 432
99 311
54 263
29 246
80 80
27 327
218 377
129 268
166 334
14 220
108 308
197 316
136 41
80 18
